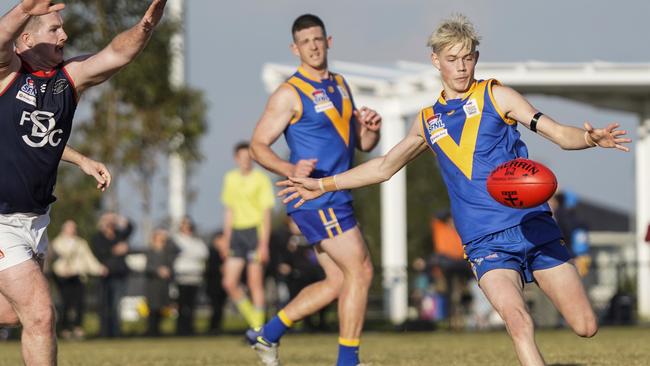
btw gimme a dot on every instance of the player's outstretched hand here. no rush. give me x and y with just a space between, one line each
608 137
369 118
305 188
98 171
40 7
304 167
153 15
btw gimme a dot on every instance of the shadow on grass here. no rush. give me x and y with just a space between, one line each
567 364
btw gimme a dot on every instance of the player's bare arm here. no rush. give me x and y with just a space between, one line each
91 167
368 127
373 171
11 24
515 106
87 71
282 106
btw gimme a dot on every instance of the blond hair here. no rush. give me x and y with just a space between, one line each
454 30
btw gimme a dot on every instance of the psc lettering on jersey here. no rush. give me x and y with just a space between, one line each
27 92
321 100
41 134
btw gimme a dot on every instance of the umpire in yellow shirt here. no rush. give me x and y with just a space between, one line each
248 199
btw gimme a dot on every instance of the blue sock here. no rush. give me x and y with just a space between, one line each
348 353
276 327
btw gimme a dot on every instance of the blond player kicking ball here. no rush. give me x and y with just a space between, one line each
472 128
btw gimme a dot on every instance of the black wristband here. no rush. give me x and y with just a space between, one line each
533 122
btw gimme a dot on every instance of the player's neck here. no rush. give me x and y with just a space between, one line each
34 62
449 93
245 171
314 73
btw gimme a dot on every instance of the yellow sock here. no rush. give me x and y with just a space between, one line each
247 310
257 318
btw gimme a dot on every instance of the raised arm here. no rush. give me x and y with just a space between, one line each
10 26
515 106
373 171
282 106
91 167
87 71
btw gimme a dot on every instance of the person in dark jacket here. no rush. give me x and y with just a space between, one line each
110 246
158 271
218 251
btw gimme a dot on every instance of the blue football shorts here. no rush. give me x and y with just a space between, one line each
533 245
324 223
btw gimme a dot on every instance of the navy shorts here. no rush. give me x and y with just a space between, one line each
243 244
325 223
533 245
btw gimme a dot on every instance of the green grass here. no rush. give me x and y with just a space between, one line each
612 346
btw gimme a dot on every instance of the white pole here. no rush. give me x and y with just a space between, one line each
393 224
176 202
643 212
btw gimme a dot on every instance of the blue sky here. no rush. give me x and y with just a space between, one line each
229 41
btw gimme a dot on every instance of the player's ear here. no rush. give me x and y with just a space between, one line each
435 60
476 56
294 49
329 41
27 40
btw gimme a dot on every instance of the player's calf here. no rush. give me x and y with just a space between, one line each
9 320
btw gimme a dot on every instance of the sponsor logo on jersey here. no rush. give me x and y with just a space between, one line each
60 85
471 108
43 88
344 92
435 122
321 100
29 87
27 92
43 132
436 128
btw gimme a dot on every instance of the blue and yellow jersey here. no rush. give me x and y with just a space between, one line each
470 136
324 129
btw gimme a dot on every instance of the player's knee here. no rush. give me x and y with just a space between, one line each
368 271
334 282
40 320
588 327
229 285
519 322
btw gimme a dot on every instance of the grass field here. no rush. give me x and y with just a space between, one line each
612 346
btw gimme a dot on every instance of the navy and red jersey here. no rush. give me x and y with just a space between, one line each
36 112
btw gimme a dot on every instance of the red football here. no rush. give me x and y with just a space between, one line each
521 183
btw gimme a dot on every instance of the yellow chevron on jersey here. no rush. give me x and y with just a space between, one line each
470 137
462 154
340 121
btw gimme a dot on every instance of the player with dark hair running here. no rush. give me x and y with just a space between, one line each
315 111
